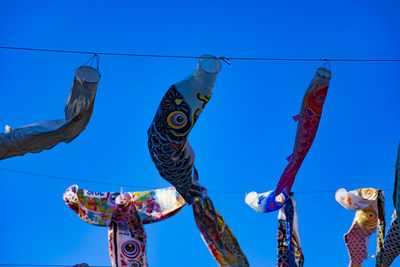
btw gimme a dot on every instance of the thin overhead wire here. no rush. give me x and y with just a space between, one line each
194 57
62 178
226 59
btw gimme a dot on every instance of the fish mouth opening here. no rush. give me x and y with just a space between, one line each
209 64
87 74
251 198
324 72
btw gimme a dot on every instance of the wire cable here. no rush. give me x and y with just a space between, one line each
61 178
194 57
96 53
70 179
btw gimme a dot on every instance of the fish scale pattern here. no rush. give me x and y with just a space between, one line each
357 244
173 157
392 244
176 115
308 121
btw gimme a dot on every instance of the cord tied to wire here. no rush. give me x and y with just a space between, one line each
92 60
225 59
326 64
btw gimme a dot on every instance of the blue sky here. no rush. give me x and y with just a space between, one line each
241 140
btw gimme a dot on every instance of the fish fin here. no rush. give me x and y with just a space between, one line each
290 157
296 118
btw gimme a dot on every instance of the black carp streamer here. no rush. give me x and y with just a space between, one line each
176 115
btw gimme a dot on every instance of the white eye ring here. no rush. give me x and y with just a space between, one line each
279 199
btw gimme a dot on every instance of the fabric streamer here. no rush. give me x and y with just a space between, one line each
124 214
126 235
289 248
44 135
353 200
392 244
365 222
176 115
308 121
266 202
97 208
217 235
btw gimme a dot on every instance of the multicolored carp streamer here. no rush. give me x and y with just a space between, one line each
289 248
396 192
126 235
308 121
44 135
217 235
97 208
124 214
369 203
266 202
176 115
391 248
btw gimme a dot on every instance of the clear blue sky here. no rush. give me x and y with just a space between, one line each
241 140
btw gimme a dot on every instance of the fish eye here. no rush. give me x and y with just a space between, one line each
280 199
131 249
371 215
177 120
113 197
320 99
